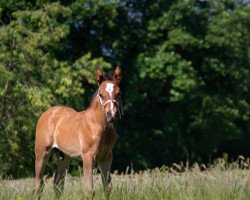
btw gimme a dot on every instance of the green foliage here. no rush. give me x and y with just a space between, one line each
193 83
186 69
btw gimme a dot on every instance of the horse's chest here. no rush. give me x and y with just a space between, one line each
105 146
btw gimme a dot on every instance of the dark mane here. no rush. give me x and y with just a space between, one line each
109 77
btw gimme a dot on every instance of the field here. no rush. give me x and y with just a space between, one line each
211 184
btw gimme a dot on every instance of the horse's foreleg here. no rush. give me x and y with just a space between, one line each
59 176
105 168
42 157
88 162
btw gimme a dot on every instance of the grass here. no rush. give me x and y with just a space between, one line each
211 184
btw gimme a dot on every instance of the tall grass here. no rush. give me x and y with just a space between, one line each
212 184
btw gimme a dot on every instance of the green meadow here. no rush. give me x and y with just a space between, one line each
211 184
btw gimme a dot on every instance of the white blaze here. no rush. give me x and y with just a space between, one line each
109 89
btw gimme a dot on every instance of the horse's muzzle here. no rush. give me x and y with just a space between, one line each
112 117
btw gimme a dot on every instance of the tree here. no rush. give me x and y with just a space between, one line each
193 82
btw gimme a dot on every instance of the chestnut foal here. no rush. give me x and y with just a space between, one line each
89 134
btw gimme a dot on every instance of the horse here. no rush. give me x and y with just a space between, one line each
89 134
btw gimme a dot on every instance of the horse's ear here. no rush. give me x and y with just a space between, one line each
118 74
99 75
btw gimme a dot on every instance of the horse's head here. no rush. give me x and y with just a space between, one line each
109 94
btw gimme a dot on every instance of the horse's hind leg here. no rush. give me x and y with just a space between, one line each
59 175
42 157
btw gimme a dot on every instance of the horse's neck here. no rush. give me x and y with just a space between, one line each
97 113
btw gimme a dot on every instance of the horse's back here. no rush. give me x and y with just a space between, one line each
52 115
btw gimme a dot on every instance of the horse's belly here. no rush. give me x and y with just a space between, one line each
68 145
71 152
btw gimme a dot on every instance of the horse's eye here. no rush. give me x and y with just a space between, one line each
100 95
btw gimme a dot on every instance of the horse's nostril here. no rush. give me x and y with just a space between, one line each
109 114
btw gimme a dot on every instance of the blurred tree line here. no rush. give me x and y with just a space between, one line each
186 75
